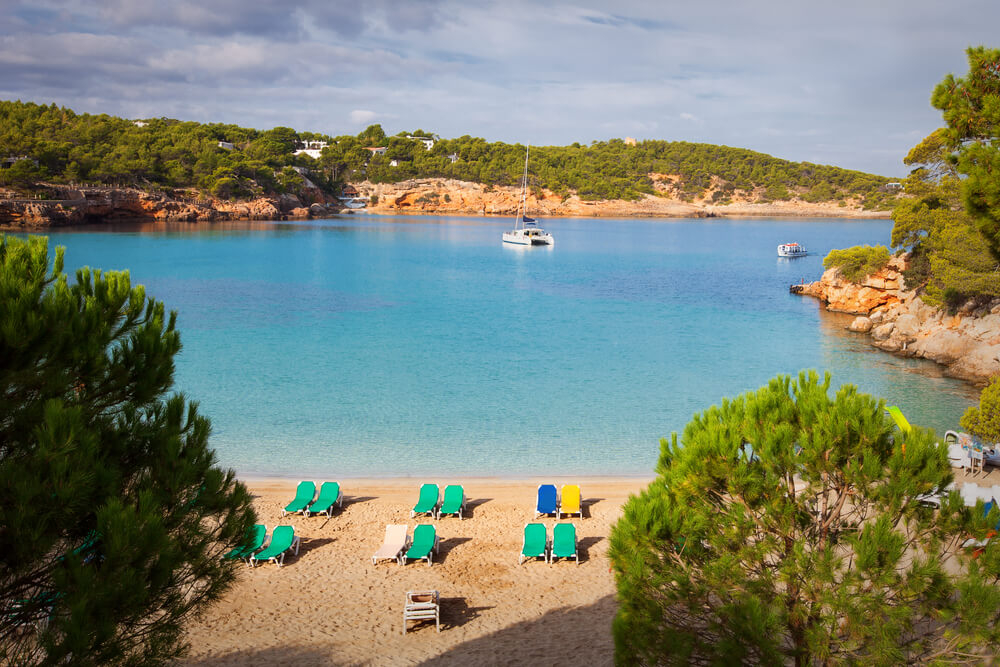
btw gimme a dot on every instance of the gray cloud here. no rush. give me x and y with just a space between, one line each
845 84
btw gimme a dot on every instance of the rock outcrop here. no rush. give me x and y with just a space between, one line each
898 321
91 205
451 197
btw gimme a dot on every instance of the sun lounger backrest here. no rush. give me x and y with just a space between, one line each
396 534
570 499
535 539
428 500
563 540
281 538
304 495
546 499
423 539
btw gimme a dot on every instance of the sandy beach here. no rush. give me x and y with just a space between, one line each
330 606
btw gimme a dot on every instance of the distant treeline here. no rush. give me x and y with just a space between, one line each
166 153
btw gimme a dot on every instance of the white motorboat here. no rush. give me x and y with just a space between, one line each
526 230
792 250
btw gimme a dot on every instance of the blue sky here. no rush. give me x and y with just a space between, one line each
843 83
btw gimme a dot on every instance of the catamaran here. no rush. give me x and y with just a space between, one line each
526 230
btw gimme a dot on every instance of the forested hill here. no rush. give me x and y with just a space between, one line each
166 153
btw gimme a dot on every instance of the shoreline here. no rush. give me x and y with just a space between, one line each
83 206
390 480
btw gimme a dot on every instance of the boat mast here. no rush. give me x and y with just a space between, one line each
524 187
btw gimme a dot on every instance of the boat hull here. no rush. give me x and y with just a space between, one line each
791 250
519 238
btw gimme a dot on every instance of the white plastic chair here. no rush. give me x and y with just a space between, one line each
976 459
422 605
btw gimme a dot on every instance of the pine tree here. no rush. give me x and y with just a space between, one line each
113 514
788 529
971 110
983 420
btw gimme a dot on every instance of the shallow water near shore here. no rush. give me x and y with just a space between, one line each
380 346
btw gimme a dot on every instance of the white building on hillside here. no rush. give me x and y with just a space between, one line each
426 141
311 148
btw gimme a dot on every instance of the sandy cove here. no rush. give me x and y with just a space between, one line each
330 606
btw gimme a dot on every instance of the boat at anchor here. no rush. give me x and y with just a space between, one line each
792 250
526 230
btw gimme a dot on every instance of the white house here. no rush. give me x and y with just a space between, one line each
377 150
140 123
311 148
226 145
426 141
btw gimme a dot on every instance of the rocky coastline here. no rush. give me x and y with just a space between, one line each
897 320
451 197
64 206
81 206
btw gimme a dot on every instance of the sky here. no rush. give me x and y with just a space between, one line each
845 83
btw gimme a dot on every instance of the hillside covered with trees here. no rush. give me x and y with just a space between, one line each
166 153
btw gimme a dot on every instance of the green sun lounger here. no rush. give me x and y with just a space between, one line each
536 542
453 502
425 544
303 496
564 542
329 495
283 540
427 502
254 541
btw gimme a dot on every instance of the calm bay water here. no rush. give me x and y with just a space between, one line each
367 346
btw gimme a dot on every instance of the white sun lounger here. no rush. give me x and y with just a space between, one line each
396 540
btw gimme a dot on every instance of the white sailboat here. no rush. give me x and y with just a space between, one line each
526 230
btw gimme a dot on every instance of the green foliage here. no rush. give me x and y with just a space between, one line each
163 153
983 420
971 110
786 528
948 254
170 153
113 514
858 261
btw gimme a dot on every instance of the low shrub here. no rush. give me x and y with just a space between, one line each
858 261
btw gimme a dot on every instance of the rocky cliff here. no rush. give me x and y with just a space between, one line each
93 205
451 197
898 321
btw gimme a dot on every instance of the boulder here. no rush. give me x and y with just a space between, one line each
943 346
882 332
981 363
907 324
982 328
861 324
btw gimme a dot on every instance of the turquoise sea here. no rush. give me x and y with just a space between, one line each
408 346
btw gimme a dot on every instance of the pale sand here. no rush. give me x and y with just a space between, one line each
330 606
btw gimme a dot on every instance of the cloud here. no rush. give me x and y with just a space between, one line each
844 84
362 116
